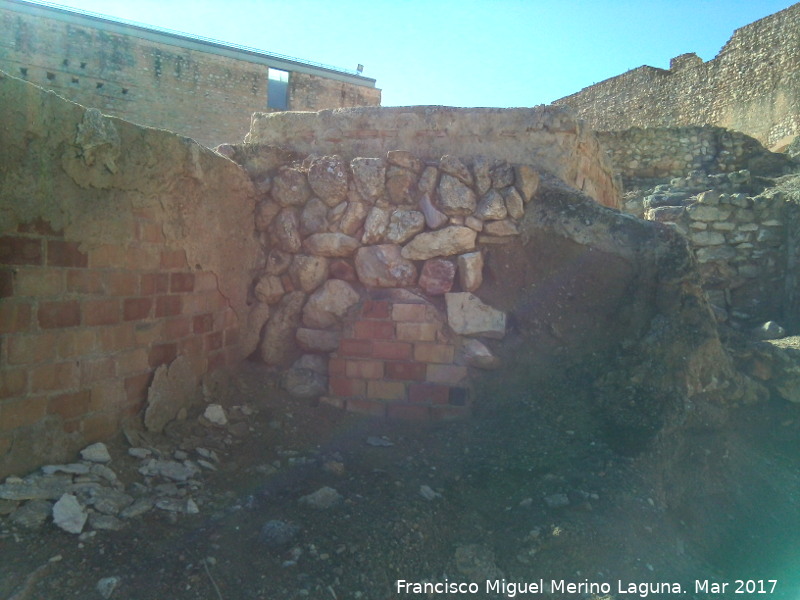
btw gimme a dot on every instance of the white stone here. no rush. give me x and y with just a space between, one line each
403 225
451 240
383 266
468 315
329 304
470 271
96 453
324 497
214 413
375 225
69 515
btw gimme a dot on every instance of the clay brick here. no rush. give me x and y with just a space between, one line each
53 315
386 390
38 282
101 312
434 353
66 254
174 259
69 406
6 283
213 341
117 337
122 283
409 312
355 348
229 318
411 371
134 309
107 256
449 413
391 350
336 366
168 306
447 374
97 369
366 406
409 412
142 258
162 354
181 282
203 323
14 316
31 349
71 343
375 309
428 393
344 387
146 333
56 376
374 330
149 232
20 250
231 336
131 361
85 281
136 387
177 328
39 227
13 382
154 283
417 332
364 369
22 412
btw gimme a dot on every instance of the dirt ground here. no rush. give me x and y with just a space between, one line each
527 489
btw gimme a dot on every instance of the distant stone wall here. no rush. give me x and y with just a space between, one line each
751 86
159 79
120 251
663 153
547 137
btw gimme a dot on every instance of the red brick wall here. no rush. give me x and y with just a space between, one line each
395 360
84 328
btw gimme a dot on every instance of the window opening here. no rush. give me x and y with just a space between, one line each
278 89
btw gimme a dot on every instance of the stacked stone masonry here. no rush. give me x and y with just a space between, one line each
750 86
358 257
199 88
663 153
740 240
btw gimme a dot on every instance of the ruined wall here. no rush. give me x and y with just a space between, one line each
663 153
751 86
157 79
546 136
121 248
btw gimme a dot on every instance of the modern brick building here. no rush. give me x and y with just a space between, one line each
198 87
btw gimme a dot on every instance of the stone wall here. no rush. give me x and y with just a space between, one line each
376 262
546 136
663 153
200 89
121 249
750 86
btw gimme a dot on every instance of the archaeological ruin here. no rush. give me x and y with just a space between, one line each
464 341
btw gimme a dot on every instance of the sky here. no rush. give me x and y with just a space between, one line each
501 53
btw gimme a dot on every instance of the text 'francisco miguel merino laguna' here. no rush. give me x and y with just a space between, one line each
511 589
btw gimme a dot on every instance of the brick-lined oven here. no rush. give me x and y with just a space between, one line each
396 359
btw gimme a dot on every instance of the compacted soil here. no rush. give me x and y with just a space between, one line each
525 490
